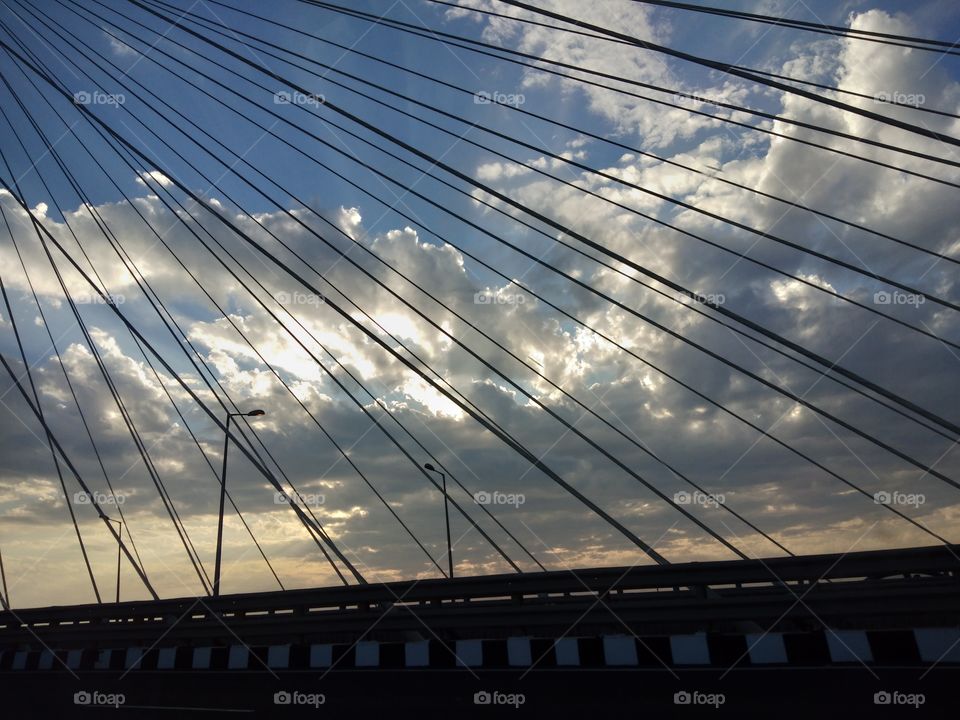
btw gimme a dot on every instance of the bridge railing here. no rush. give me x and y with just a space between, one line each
700 579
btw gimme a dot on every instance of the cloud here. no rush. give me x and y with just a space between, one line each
120 48
244 348
154 176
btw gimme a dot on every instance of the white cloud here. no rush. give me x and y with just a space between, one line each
154 176
120 48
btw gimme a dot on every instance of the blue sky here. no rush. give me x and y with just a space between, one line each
746 43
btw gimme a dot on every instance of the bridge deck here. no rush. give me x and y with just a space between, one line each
875 589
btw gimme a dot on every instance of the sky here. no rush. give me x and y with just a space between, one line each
342 231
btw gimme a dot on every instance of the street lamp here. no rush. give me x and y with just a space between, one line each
119 545
446 513
223 494
3 580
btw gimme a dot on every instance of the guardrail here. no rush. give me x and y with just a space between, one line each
929 576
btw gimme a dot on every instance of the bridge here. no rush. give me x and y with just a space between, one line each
846 620
310 295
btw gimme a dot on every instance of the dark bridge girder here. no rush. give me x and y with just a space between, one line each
885 589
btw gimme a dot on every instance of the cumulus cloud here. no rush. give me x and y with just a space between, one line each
154 176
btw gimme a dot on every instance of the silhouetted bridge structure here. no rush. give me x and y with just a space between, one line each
860 612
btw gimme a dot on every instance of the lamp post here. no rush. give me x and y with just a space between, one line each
223 494
3 579
119 545
446 514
